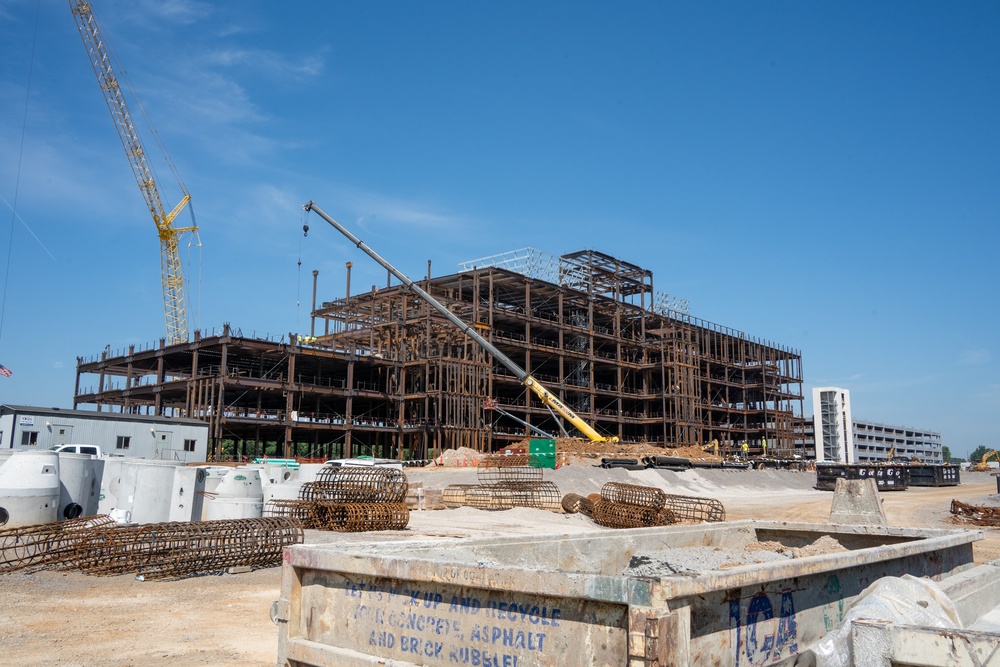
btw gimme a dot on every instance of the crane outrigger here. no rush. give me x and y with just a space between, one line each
547 398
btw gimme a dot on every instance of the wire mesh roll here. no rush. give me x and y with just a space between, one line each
619 515
632 494
574 503
36 546
489 498
543 496
178 549
571 503
357 484
453 495
520 470
692 508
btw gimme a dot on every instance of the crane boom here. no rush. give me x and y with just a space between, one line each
546 396
175 312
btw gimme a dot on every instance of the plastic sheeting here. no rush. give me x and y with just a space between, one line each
905 600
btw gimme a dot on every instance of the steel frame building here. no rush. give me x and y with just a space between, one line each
382 373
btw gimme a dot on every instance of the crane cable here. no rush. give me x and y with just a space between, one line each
17 181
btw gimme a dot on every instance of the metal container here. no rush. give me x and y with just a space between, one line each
933 475
578 600
887 478
544 452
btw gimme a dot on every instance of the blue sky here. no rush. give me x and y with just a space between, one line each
821 175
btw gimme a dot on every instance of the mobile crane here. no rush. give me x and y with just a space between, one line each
547 397
175 312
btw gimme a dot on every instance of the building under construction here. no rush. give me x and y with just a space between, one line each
381 373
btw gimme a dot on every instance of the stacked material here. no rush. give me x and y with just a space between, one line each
632 506
97 545
349 499
505 482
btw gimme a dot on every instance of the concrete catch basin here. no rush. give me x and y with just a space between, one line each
736 593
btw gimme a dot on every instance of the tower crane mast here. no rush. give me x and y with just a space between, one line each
175 312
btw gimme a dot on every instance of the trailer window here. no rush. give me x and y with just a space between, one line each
29 438
189 445
123 442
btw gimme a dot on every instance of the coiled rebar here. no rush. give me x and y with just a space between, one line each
632 494
357 484
574 503
453 495
37 546
620 515
178 549
691 508
520 470
341 517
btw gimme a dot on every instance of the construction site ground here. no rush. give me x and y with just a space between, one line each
72 619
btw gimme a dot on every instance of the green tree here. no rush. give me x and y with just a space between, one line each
945 453
977 454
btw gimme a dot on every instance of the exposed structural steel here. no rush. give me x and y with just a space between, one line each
97 545
175 311
547 397
384 374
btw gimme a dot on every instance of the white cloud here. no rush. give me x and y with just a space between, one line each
270 63
976 357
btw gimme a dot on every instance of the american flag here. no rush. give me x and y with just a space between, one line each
4 371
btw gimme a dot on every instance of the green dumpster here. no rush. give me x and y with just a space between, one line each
544 452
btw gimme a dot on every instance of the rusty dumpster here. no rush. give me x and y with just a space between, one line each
735 593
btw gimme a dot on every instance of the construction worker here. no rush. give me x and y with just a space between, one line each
763 443
745 448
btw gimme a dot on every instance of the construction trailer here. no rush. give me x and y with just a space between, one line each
381 373
144 436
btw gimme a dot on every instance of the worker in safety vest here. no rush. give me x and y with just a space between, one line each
745 448
763 443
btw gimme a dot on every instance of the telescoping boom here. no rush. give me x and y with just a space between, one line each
546 396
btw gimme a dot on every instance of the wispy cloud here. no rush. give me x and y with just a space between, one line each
268 63
976 357
372 208
182 12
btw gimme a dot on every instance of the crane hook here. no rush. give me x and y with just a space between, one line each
305 230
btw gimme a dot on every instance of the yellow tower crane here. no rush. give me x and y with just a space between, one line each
175 312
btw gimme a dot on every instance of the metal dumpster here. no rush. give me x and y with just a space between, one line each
603 598
922 474
887 477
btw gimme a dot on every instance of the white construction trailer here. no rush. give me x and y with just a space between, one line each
134 436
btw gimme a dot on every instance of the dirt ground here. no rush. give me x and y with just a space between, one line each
72 619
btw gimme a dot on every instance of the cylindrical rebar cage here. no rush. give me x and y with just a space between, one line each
522 470
632 494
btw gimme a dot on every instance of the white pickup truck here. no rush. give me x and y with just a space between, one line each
93 450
